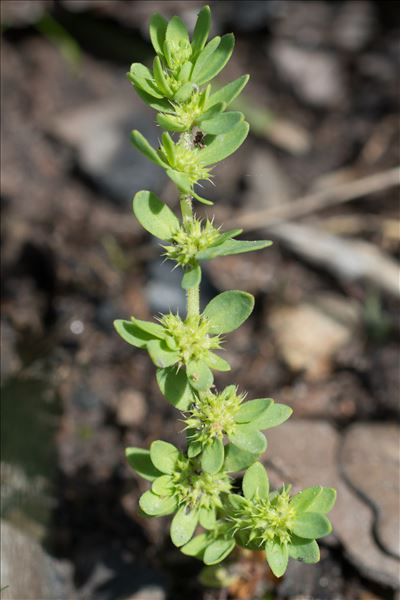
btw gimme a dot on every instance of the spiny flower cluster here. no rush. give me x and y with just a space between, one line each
190 337
188 240
196 489
264 519
213 415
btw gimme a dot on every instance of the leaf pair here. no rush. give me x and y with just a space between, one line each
158 219
185 166
223 314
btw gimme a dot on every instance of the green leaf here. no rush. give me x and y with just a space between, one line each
176 32
156 506
228 92
237 459
311 525
324 502
224 145
160 79
249 439
305 550
227 311
153 329
162 486
204 57
154 215
161 355
237 502
201 30
141 77
185 71
184 92
194 449
207 518
162 104
199 375
252 410
175 387
275 415
196 546
227 235
164 456
217 551
183 526
191 277
132 334
255 482
231 247
158 27
207 69
170 123
140 142
277 557
183 184
211 112
212 457
169 147
217 363
140 461
221 123
305 498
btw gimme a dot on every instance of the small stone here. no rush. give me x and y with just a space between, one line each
309 335
131 408
151 592
373 470
315 75
99 133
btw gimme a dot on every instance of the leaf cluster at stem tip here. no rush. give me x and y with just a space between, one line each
224 430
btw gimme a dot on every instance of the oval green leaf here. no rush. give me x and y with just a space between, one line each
228 92
227 311
132 334
156 506
201 30
275 415
237 459
162 486
158 27
207 69
231 247
164 456
196 546
199 375
212 457
154 215
252 409
305 550
249 439
255 482
140 461
217 551
183 526
161 355
191 277
221 123
140 142
222 146
277 557
175 387
311 525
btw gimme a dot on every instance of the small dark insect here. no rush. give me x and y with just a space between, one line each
198 140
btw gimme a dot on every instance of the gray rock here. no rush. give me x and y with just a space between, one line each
164 292
370 461
315 75
28 573
305 453
100 135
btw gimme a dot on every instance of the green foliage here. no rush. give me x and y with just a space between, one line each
224 431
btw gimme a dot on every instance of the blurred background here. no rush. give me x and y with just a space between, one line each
318 175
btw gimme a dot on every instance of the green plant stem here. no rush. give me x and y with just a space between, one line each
192 294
